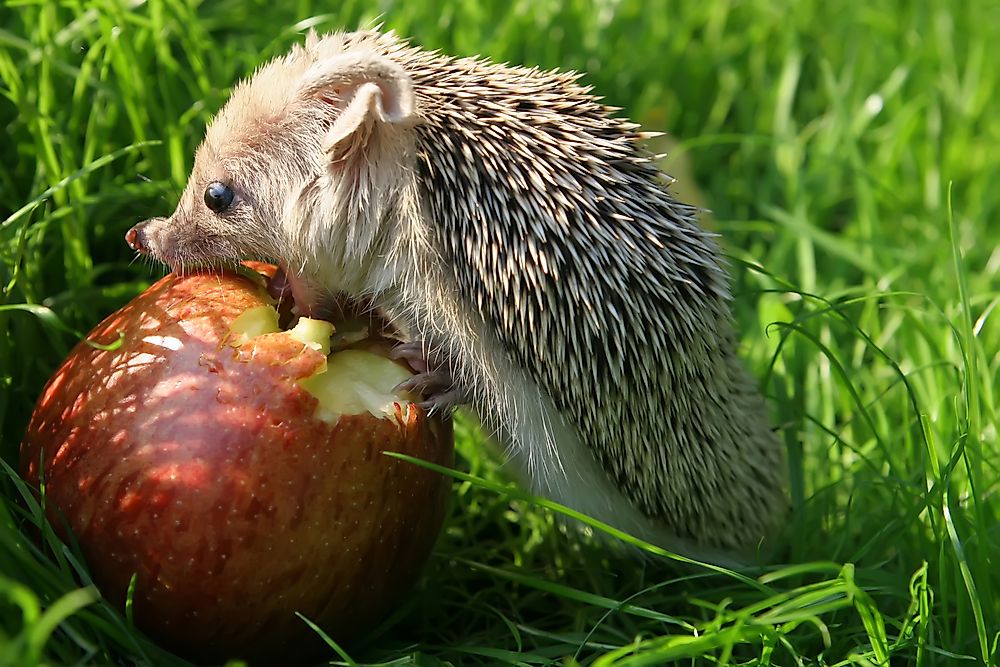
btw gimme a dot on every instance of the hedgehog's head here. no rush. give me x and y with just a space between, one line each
306 165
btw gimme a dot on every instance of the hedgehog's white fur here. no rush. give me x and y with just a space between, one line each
507 219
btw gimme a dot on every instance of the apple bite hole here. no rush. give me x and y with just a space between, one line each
357 376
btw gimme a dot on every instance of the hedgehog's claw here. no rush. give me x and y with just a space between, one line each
428 383
432 380
438 390
413 353
443 404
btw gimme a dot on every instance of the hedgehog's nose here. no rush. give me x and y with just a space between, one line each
136 238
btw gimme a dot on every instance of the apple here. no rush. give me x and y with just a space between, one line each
237 470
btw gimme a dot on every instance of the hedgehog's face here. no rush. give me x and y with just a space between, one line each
230 210
236 203
286 172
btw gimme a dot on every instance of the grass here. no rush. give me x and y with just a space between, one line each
848 155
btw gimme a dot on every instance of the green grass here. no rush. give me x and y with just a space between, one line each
849 155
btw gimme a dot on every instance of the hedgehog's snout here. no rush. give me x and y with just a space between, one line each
136 238
147 238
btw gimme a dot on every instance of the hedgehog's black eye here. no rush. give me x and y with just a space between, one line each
218 196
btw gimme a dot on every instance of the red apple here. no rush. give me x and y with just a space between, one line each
240 477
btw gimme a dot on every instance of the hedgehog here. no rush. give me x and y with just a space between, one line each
523 238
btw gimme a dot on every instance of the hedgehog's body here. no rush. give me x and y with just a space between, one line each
505 219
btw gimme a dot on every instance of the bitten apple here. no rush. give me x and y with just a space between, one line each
237 470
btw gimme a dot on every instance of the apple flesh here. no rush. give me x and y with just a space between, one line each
237 471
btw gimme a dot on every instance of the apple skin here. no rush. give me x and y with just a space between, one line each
199 467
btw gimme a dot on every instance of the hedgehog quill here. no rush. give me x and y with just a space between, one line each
527 244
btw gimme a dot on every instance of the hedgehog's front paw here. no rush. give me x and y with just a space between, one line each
438 390
433 380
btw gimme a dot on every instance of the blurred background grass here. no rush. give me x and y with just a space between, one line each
848 155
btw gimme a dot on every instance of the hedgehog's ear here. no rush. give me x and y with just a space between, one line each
370 92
